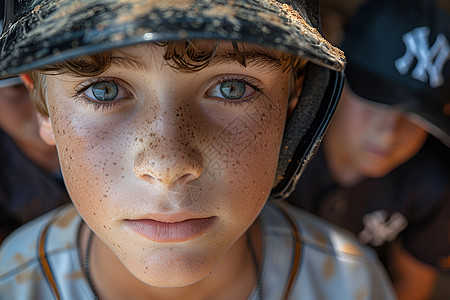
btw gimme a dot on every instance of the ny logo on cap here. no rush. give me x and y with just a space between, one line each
430 61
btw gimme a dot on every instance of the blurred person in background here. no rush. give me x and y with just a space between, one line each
383 168
30 178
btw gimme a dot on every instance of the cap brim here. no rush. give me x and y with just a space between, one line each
419 108
62 29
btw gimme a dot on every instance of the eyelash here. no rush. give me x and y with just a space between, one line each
108 105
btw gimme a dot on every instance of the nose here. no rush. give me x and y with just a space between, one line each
389 125
391 121
168 154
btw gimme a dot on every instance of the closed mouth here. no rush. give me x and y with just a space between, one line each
382 152
171 232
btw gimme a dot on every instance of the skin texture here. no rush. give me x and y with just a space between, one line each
170 149
18 119
369 140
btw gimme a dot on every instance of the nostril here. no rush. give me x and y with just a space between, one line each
186 178
159 169
148 178
177 180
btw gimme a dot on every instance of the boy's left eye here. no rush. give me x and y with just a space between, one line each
230 90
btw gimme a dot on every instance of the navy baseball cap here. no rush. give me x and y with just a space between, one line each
398 54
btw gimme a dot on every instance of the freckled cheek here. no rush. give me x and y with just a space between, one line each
89 161
246 161
251 180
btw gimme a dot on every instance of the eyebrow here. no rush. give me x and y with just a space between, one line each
253 58
129 63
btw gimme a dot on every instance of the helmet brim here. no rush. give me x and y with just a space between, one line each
10 82
59 30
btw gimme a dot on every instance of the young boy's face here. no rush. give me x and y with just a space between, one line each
170 168
375 138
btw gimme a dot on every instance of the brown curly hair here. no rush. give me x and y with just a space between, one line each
182 56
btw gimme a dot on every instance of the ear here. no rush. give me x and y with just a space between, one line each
46 130
295 95
26 79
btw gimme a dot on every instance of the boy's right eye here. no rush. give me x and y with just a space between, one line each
105 91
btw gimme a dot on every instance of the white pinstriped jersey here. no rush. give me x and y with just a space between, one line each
302 255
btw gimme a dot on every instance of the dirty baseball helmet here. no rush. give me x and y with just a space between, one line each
5 82
399 55
42 32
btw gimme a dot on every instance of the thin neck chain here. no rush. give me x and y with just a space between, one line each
86 263
251 247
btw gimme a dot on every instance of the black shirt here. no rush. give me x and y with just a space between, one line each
411 204
25 190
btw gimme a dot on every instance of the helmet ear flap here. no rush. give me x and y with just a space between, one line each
306 126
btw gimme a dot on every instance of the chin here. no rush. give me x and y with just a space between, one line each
173 277
174 281
375 171
172 267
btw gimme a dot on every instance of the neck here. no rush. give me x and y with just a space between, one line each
233 277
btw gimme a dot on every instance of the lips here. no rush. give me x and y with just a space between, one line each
379 151
171 232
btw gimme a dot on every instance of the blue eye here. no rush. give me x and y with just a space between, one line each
105 91
231 90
